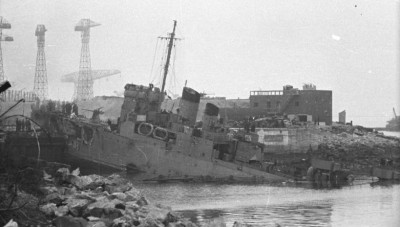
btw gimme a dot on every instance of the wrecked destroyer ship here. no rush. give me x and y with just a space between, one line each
162 144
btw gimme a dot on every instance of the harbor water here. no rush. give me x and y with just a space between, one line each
265 205
361 204
391 133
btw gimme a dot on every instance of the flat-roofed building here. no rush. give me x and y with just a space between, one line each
289 100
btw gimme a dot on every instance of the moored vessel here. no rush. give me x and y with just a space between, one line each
161 144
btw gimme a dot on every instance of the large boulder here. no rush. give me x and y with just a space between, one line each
132 205
48 209
96 182
170 218
149 222
118 195
55 198
132 195
77 206
160 213
102 207
142 201
122 222
61 211
81 182
61 175
68 221
112 213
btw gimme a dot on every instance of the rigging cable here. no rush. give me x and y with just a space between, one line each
158 75
152 65
173 77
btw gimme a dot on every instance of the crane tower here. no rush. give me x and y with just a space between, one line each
84 86
4 24
40 83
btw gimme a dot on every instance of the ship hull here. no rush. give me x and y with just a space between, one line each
189 157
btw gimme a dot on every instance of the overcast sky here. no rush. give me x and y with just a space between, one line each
228 47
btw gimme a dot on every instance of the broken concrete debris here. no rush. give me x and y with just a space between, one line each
94 200
357 148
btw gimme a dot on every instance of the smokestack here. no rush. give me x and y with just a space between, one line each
210 116
189 105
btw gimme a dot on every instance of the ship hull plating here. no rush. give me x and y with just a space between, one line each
189 157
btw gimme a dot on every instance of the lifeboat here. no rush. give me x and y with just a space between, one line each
145 129
160 133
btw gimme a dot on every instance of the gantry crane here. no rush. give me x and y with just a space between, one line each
96 74
84 88
40 87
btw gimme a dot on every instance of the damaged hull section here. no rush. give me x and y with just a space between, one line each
187 157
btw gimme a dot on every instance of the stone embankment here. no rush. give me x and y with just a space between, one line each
357 148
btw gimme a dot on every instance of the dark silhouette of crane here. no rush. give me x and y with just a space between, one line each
84 86
40 87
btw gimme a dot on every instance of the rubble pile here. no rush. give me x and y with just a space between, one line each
357 148
73 200
47 194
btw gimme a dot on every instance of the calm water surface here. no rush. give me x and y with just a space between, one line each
265 205
389 133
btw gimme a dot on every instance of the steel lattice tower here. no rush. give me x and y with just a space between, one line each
3 25
40 83
84 87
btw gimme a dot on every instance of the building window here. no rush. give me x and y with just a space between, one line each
278 104
296 103
255 104
268 104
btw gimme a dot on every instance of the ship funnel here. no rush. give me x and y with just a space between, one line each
189 105
210 117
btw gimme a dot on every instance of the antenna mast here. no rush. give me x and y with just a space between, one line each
171 43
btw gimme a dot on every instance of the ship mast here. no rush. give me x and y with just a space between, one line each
170 44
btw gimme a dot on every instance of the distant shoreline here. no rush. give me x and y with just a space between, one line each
387 129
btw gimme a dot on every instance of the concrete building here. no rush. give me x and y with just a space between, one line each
292 101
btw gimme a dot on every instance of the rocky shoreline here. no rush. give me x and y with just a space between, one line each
59 197
357 148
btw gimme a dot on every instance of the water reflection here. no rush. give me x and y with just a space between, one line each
285 215
265 205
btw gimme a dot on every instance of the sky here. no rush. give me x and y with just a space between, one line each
226 47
